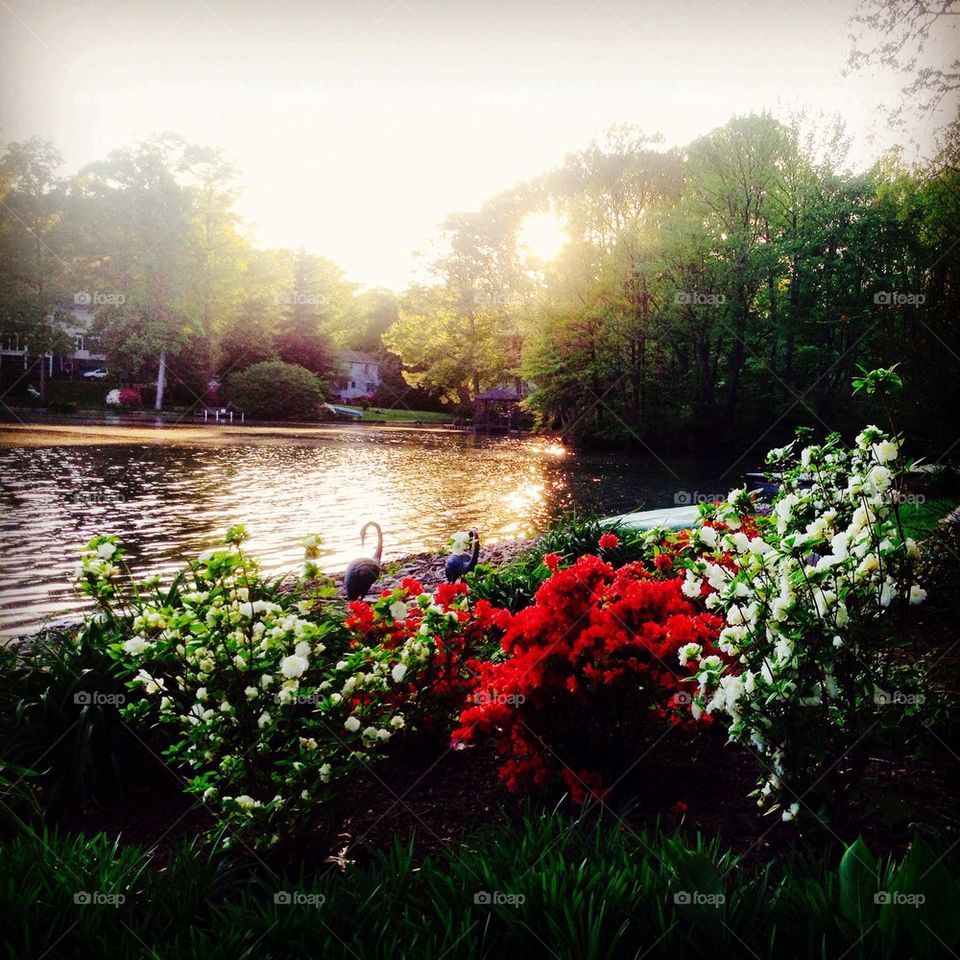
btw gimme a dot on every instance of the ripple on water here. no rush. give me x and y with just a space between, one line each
169 500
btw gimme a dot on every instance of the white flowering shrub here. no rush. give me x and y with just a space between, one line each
270 696
809 596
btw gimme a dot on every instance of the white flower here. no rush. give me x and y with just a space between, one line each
459 543
689 652
707 535
324 772
246 803
716 576
352 724
885 451
303 649
201 693
398 610
790 813
251 693
293 666
741 542
887 592
691 585
917 594
264 720
136 645
399 672
150 684
106 550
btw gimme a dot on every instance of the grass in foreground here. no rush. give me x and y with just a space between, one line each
551 887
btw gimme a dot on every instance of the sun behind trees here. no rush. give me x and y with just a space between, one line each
707 293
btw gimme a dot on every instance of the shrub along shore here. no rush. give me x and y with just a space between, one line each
602 743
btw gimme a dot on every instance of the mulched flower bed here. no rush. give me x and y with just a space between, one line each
437 793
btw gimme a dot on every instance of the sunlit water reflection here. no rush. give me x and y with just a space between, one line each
170 494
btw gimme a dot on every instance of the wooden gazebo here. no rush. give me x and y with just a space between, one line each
497 410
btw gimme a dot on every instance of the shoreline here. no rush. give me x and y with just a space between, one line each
64 432
425 567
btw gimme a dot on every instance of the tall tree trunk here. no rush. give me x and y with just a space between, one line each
161 381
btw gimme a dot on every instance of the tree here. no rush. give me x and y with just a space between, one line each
140 216
275 390
895 33
32 270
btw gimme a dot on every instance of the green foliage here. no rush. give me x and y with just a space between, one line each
513 585
879 381
270 695
577 891
59 717
274 390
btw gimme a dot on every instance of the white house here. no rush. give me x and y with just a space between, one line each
76 323
362 375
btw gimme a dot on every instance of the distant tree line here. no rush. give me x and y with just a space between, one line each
715 293
149 240
712 293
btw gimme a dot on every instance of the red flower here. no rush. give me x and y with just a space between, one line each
552 561
446 593
608 541
593 637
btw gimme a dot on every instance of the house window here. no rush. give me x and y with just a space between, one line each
353 384
79 343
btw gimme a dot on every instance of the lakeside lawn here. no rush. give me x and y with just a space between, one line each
394 414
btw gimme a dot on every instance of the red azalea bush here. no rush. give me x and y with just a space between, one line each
453 631
588 664
130 399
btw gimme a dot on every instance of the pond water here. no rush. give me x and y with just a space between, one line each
170 493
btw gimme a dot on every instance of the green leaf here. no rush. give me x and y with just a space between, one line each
858 885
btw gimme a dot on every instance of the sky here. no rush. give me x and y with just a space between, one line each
358 125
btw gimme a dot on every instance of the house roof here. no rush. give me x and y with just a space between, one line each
358 356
